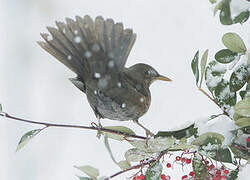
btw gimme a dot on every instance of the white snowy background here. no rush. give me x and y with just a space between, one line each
34 85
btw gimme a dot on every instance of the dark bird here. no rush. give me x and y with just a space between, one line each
97 52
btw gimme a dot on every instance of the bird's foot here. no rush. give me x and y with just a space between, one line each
147 131
99 127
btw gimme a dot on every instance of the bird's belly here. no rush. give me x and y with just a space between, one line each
118 107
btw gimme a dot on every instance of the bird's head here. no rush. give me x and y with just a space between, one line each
146 74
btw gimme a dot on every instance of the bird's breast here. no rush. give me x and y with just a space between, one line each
122 103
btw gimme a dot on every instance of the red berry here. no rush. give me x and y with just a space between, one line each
178 158
248 139
191 173
206 162
184 177
211 166
163 177
222 168
226 171
218 172
168 165
183 160
188 161
141 177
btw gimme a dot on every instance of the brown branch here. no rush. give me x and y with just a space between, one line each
214 100
141 165
3 114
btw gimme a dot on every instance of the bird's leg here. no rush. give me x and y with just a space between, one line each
99 126
148 132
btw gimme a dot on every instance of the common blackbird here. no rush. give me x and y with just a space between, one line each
97 52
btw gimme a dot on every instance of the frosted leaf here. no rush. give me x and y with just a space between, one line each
134 155
87 54
238 6
154 172
69 57
141 99
238 78
95 48
97 75
111 64
119 84
214 74
222 125
154 145
77 39
123 105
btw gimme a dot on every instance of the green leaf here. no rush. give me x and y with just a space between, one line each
223 155
118 128
214 74
238 78
209 138
135 155
225 13
203 64
194 66
243 122
213 1
154 172
106 143
1 108
89 170
218 7
233 175
179 134
234 42
242 94
223 94
242 17
124 164
243 107
200 169
26 138
153 145
84 178
225 56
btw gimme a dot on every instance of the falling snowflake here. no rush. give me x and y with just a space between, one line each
123 105
111 64
69 57
95 47
97 75
77 39
119 84
87 54
141 99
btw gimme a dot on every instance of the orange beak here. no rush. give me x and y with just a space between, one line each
163 78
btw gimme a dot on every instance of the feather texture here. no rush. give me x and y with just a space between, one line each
88 47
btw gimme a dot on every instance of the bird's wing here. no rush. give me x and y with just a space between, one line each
90 48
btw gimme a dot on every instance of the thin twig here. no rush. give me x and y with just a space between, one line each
214 100
71 126
141 165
